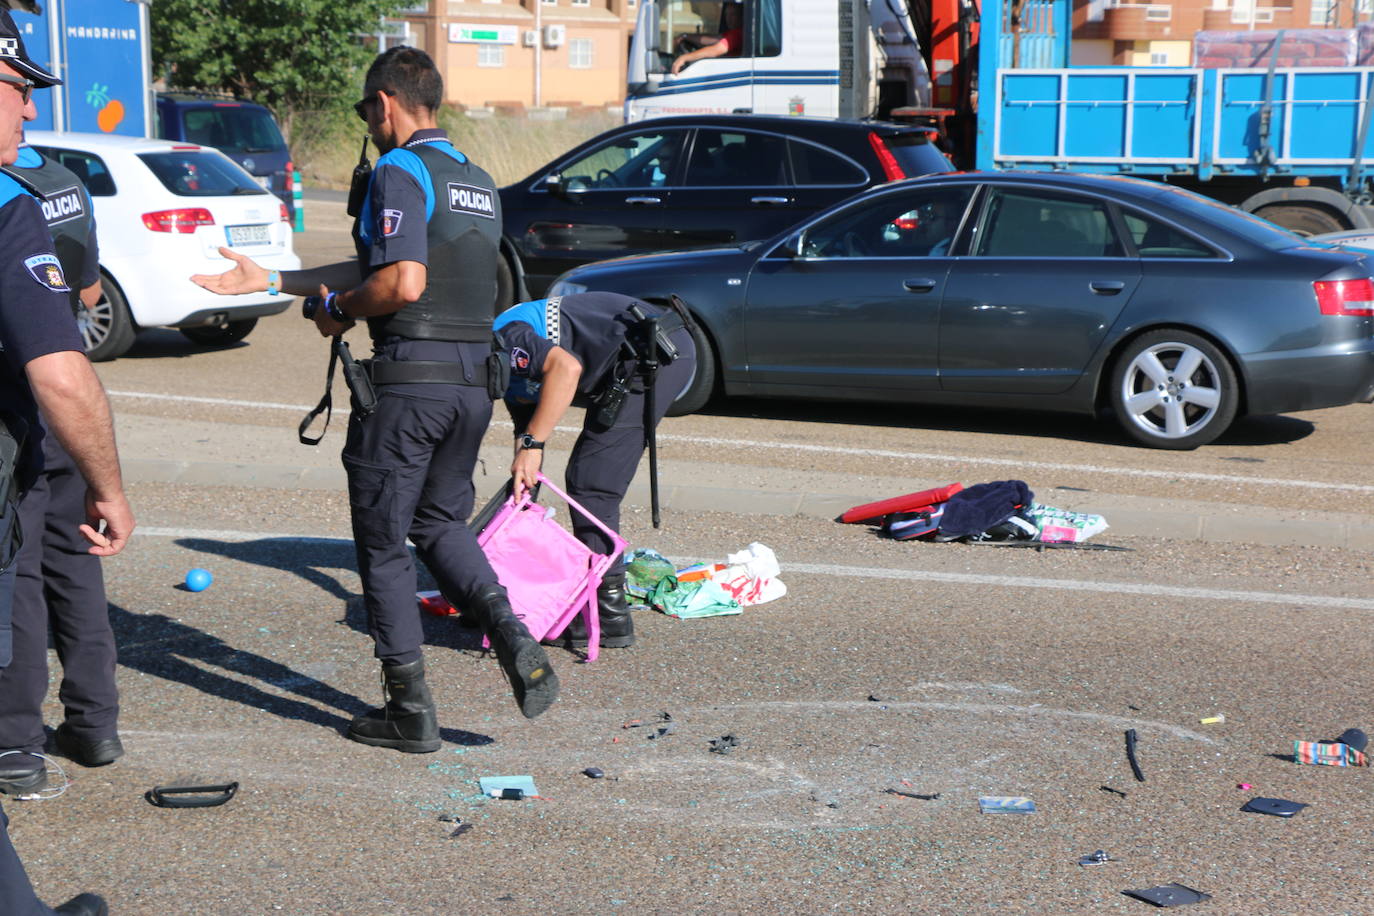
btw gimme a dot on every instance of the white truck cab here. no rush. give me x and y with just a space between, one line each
824 58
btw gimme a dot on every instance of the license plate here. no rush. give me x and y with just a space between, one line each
248 235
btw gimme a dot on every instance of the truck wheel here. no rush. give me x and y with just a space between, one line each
703 386
107 330
219 335
1173 389
1303 220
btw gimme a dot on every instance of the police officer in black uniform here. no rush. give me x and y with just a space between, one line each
427 239
59 583
591 349
43 367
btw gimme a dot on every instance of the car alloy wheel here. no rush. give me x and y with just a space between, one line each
1174 389
107 331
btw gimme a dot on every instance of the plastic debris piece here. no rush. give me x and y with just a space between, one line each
930 797
1244 785
1131 739
1113 791
724 744
435 603
1213 720
662 732
1095 858
495 786
1005 804
1278 807
460 830
633 723
1169 895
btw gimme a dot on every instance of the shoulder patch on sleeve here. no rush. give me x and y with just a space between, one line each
47 271
390 223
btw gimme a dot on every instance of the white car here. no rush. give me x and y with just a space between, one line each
162 210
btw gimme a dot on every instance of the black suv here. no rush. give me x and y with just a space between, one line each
694 182
246 132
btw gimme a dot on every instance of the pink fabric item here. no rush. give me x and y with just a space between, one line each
550 575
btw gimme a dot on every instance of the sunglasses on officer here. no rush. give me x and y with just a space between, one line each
26 86
360 108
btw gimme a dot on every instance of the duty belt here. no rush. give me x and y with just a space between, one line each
421 371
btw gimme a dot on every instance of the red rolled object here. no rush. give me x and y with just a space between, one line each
908 503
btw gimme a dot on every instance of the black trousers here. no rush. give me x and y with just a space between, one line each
603 461
59 585
16 893
409 469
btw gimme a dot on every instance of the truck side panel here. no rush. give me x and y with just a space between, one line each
1165 121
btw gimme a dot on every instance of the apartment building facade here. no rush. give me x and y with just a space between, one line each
1144 33
520 54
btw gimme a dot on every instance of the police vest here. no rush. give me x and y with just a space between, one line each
66 208
463 235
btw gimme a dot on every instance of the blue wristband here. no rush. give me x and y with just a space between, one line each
273 282
331 308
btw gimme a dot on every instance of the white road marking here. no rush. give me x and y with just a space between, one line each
754 445
913 575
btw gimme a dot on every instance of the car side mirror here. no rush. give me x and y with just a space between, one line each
553 183
791 247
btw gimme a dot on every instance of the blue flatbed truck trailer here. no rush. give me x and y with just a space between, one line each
101 50
1290 144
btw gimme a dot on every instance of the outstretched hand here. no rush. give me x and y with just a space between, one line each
244 277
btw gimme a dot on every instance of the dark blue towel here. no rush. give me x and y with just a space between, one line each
982 506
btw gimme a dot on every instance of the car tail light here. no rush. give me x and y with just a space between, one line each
891 168
1353 298
183 221
285 216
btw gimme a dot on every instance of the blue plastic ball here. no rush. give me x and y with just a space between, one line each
198 580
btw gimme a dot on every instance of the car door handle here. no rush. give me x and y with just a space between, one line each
919 284
1106 287
644 201
770 201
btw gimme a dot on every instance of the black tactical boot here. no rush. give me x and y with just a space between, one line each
523 660
408 721
613 612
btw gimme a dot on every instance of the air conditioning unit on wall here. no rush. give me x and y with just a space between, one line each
530 38
555 35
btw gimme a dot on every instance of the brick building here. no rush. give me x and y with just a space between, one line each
1160 32
524 53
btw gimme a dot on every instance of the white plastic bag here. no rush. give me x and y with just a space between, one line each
750 576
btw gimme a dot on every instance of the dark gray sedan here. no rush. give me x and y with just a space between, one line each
1031 290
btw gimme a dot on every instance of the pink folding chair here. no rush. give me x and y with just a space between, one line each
550 575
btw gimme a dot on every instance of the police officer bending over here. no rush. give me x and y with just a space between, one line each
590 348
427 238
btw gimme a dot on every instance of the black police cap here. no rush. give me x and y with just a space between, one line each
12 52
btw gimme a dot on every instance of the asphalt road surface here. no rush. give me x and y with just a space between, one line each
873 705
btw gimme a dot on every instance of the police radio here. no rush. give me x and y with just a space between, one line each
357 188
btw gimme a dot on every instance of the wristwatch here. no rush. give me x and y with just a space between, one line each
528 441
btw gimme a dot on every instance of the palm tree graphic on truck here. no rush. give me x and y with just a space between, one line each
109 111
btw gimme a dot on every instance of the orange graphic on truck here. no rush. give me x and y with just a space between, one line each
111 111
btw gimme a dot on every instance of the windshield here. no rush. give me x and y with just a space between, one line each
200 173
233 128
